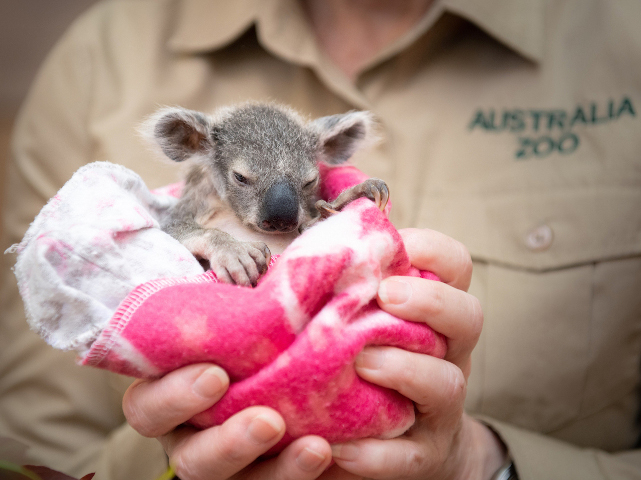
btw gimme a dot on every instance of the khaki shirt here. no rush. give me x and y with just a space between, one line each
511 125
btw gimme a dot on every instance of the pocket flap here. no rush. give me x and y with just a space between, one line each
542 231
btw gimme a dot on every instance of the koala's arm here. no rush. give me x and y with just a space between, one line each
231 260
373 188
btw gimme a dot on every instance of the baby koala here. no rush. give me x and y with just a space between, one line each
253 180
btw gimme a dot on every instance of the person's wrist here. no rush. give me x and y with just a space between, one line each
491 448
481 450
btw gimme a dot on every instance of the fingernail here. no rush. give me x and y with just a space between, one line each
263 429
371 359
211 383
345 451
394 291
309 460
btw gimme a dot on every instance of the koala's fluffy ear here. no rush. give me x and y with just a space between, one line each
180 133
341 135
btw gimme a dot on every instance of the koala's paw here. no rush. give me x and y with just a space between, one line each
240 263
377 191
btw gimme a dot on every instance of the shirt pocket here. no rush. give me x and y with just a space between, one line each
559 276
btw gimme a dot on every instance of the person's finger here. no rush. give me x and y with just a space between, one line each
335 472
222 451
436 386
380 459
467 449
451 312
440 254
154 407
305 458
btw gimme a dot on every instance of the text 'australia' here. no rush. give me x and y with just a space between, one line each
550 130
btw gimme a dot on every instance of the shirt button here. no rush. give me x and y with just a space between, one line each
540 238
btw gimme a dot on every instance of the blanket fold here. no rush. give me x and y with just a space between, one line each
289 343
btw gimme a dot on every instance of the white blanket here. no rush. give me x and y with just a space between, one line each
93 243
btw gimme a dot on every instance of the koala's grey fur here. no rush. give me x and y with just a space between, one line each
253 179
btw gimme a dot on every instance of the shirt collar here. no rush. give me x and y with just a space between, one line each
519 24
205 25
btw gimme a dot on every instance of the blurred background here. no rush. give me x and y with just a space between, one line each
28 30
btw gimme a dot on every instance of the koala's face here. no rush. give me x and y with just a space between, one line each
267 161
262 158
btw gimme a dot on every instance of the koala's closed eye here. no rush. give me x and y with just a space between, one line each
241 179
311 183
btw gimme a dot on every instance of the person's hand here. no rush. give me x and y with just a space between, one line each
444 443
158 408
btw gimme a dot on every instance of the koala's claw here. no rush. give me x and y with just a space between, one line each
379 192
325 209
262 260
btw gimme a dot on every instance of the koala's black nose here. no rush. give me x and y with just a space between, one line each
280 208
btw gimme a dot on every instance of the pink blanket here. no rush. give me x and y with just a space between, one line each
289 343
